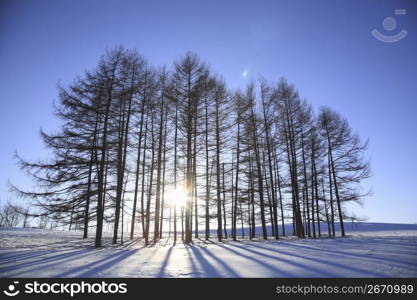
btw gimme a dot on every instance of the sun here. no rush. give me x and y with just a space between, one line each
177 196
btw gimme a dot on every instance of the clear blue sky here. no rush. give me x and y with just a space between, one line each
324 47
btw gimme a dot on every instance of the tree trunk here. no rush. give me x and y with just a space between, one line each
339 207
237 178
219 207
159 163
135 197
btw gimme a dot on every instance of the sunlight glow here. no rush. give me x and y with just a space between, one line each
177 197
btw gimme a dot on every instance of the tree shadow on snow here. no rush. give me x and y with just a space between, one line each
313 264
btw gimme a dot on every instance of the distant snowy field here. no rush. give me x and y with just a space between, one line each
370 250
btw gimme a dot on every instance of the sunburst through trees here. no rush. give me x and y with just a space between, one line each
155 151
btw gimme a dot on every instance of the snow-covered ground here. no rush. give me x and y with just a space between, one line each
371 250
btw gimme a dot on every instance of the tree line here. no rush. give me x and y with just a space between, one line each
11 215
135 138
